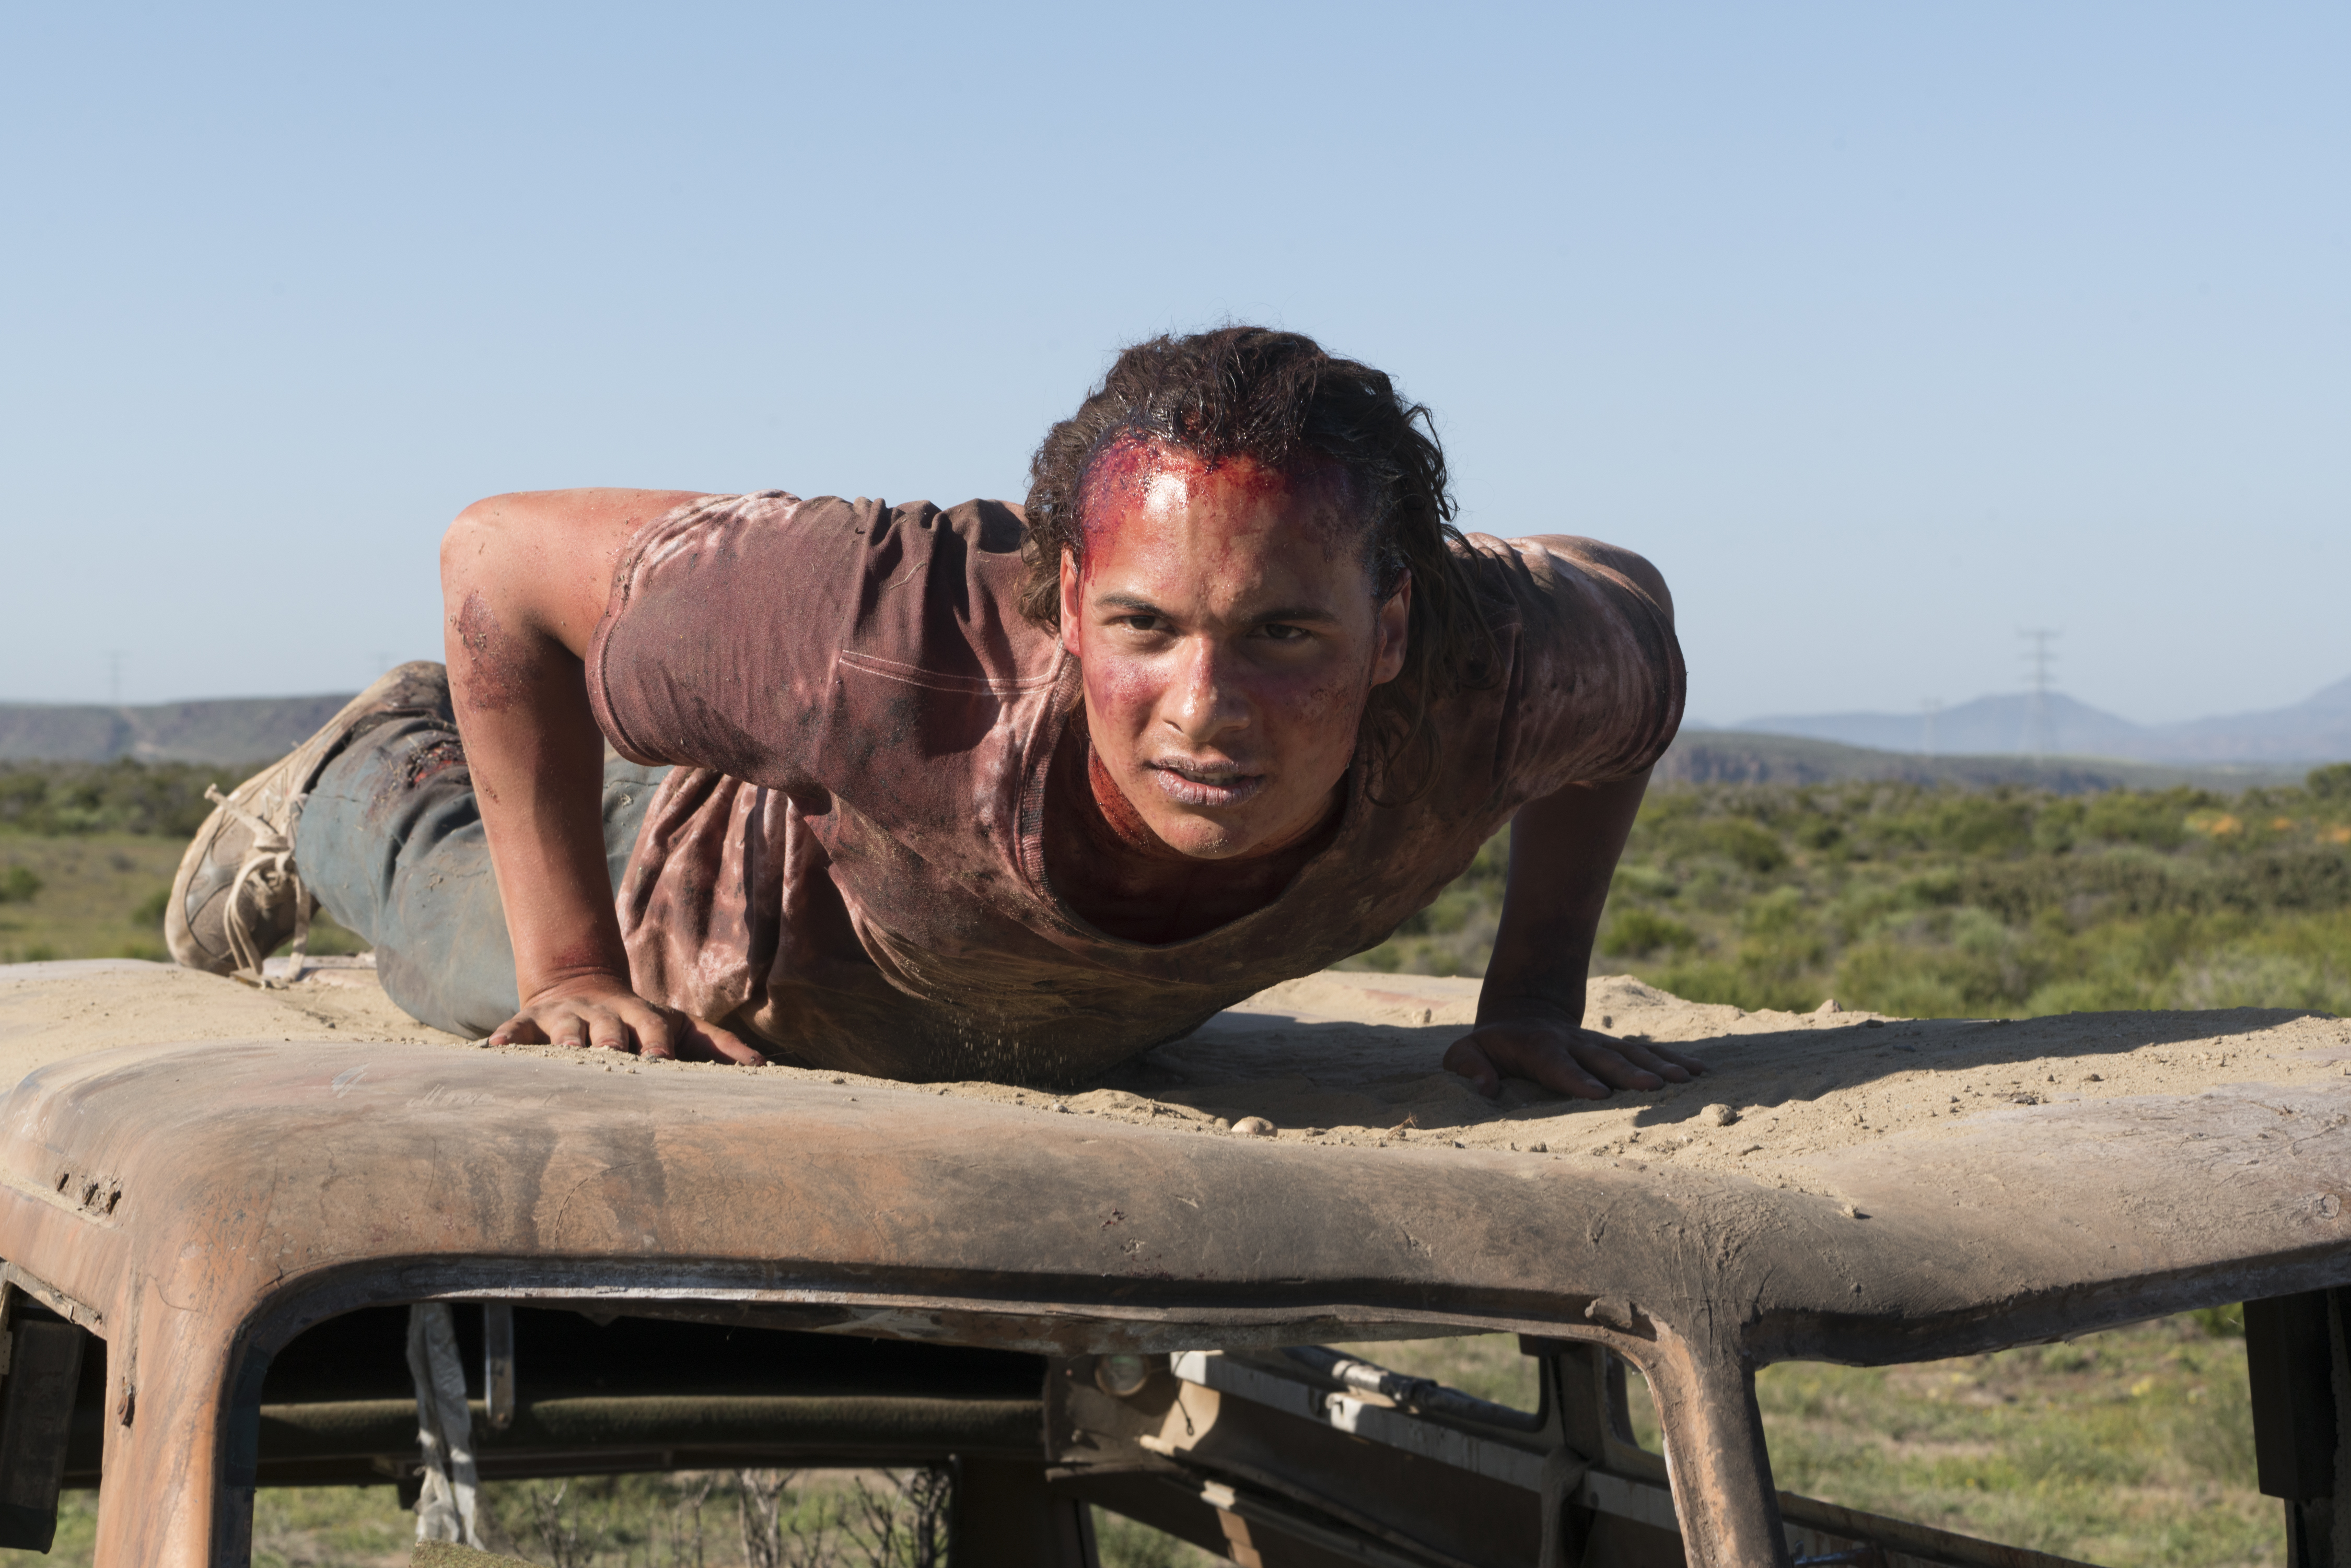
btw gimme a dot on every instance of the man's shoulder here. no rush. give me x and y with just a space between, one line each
795 527
1593 683
1550 554
823 546
793 640
1553 583
995 528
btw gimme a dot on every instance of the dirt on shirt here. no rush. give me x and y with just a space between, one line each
848 859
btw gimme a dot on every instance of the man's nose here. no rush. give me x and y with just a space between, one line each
1208 699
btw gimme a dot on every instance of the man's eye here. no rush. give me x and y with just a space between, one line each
1282 633
1139 623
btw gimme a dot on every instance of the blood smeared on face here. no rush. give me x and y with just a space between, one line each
1230 632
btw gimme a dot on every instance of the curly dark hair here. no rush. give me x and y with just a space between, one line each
1279 399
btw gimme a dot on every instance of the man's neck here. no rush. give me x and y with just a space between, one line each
1123 823
1111 868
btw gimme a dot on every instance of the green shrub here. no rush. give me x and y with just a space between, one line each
1637 931
1745 844
1643 880
2156 818
123 796
1938 901
1935 888
1999 823
2220 1322
19 884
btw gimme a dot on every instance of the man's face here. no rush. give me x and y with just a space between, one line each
1225 623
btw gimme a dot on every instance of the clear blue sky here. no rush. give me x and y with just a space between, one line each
1884 329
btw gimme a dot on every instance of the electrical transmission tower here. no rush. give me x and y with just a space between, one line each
1932 709
2039 722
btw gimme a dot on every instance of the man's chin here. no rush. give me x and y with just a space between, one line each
1225 838
1207 836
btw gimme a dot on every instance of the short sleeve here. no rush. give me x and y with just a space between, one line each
717 644
1593 672
813 646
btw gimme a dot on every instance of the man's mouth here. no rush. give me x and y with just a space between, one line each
1195 784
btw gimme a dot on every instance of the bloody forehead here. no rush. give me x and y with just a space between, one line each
1320 489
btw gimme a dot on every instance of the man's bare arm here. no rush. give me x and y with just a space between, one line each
1563 852
524 581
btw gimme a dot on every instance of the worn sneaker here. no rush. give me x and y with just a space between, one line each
237 895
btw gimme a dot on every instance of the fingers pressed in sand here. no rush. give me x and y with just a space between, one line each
708 1042
1659 1062
1466 1060
656 1037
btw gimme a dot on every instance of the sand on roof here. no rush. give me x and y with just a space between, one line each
51 1011
1351 1060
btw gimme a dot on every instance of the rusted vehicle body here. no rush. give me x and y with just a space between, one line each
209 1250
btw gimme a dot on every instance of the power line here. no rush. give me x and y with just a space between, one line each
2038 724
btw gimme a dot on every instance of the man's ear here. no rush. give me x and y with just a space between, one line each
1070 638
1394 627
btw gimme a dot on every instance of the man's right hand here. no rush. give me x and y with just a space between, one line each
599 1013
524 580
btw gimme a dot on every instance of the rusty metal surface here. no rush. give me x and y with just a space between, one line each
1308 1463
199 1205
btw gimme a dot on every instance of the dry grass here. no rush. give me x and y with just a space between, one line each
101 896
2132 1448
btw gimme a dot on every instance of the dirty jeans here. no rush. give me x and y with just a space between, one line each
391 842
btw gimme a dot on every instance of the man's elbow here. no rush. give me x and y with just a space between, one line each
1637 569
472 539
1633 567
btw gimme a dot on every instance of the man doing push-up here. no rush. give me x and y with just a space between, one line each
993 791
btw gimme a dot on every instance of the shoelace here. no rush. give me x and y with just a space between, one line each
270 856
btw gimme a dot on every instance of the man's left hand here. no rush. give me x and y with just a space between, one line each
1565 1057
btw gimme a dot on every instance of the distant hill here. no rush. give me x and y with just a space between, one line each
226 730
1742 757
2317 729
256 730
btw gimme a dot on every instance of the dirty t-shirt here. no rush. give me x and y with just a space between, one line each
847 860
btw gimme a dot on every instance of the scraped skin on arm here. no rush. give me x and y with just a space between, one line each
1563 851
525 580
